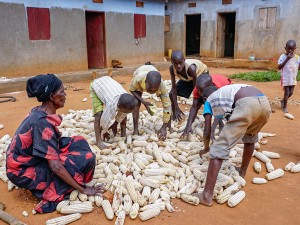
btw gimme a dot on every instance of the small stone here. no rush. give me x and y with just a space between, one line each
84 100
24 213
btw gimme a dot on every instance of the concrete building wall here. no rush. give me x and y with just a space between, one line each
66 50
249 39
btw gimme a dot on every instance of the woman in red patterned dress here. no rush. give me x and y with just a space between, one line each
39 159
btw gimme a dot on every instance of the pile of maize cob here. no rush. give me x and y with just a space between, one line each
145 174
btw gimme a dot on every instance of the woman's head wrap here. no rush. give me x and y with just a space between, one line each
42 86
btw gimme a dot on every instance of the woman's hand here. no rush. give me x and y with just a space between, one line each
97 190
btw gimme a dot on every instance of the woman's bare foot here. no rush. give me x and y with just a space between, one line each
101 145
241 173
202 200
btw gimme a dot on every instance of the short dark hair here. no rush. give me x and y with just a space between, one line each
204 81
290 43
177 55
153 78
127 101
208 91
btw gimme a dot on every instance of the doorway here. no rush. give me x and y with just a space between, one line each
95 39
192 38
225 35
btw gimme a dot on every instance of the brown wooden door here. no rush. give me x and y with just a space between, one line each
95 39
221 25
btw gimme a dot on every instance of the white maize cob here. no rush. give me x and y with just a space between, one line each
151 213
154 195
257 167
107 210
61 204
258 180
146 192
289 116
271 155
270 167
137 143
232 188
63 220
127 204
74 195
169 207
134 210
275 174
262 157
289 166
76 208
295 169
236 199
193 200
117 200
98 200
222 198
240 180
83 197
131 190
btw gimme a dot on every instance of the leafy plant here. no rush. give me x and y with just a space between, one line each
260 76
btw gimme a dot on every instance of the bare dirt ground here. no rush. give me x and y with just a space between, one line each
277 202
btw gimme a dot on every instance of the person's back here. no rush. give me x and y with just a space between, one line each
107 89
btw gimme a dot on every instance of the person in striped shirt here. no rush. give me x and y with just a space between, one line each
118 103
148 79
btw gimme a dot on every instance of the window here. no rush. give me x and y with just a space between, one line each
267 18
167 23
192 4
139 4
226 2
38 23
139 25
97 1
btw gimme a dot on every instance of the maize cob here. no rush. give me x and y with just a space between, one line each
127 204
198 174
270 167
193 200
63 220
161 171
131 190
117 200
129 140
82 197
137 143
25 214
154 195
289 166
295 169
236 199
61 204
275 174
232 188
258 180
120 218
146 215
257 167
289 116
134 210
271 155
222 198
107 210
169 207
149 182
262 157
240 180
74 195
98 200
146 192
76 208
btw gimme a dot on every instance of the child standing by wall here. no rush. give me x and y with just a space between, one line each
289 64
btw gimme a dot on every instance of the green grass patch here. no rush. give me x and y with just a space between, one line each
260 76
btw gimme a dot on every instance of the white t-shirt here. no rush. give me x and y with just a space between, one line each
290 70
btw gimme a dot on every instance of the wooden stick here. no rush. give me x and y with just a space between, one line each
7 217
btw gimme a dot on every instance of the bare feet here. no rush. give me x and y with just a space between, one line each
101 145
285 110
202 199
135 132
